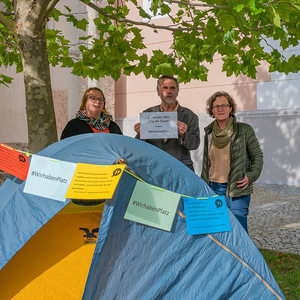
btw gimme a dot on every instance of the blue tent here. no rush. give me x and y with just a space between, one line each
134 261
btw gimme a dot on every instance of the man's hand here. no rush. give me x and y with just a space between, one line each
182 128
137 128
244 183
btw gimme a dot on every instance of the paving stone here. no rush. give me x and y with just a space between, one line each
274 217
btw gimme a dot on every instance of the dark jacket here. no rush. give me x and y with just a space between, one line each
179 148
246 157
76 126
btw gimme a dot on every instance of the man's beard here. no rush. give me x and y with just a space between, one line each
169 100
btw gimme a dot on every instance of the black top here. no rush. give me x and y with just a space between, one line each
76 126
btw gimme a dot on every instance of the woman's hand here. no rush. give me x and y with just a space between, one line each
243 184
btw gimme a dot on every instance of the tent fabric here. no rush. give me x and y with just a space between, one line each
134 261
54 263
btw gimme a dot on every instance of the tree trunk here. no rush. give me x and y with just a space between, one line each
40 112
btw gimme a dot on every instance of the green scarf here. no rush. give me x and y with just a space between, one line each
222 137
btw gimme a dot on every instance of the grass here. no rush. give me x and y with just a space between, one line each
286 270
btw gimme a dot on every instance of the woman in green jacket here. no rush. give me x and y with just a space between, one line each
232 157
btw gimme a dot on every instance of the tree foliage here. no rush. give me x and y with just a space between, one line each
238 31
235 30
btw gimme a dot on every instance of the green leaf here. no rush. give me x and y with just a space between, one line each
238 7
165 9
229 36
164 68
274 16
73 20
128 70
143 62
284 10
134 2
55 14
180 12
111 27
211 22
181 5
82 24
67 8
67 62
227 21
147 71
5 80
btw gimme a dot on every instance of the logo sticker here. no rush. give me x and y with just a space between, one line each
91 238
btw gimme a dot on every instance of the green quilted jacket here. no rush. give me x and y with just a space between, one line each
246 157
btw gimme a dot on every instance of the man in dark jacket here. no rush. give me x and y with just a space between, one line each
188 123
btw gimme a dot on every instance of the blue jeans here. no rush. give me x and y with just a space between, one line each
238 205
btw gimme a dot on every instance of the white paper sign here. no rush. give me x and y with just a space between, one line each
158 125
49 178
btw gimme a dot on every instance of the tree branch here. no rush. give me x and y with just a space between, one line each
10 24
7 13
196 4
210 5
153 26
40 13
271 2
170 28
50 7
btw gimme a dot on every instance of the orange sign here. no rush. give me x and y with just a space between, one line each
13 162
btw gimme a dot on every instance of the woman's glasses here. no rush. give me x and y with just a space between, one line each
223 106
94 99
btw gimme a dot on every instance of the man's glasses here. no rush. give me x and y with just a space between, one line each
223 106
94 99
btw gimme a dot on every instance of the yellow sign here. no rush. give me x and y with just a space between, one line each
94 181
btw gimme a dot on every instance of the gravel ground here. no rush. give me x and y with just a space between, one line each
3 176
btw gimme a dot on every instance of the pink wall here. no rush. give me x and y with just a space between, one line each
136 93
